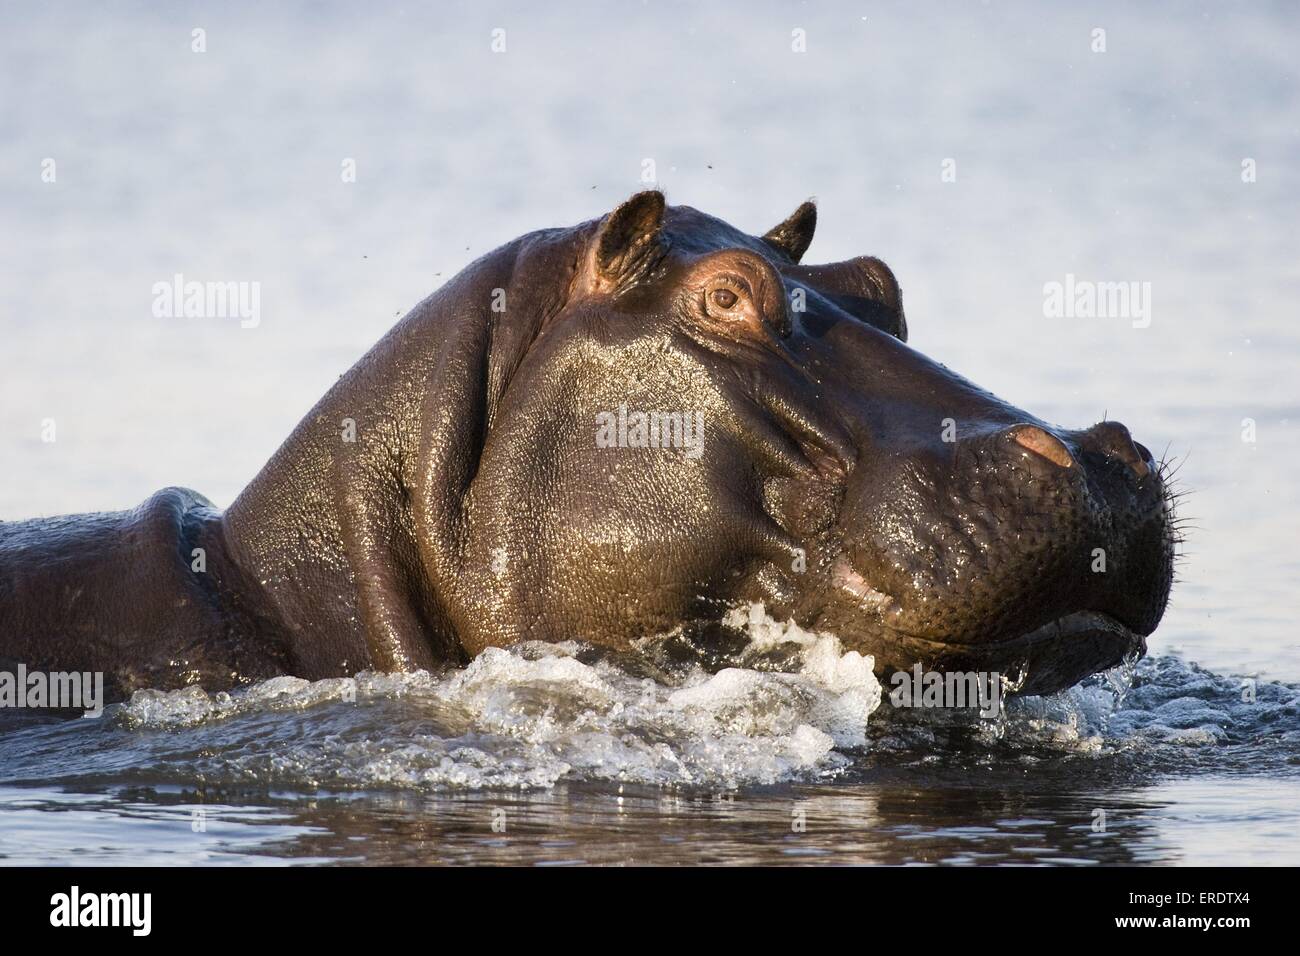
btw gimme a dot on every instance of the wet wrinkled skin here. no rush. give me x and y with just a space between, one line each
842 479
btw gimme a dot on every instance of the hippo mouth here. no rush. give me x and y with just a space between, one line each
1052 656
1045 659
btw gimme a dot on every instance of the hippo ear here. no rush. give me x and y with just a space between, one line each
795 235
628 242
864 287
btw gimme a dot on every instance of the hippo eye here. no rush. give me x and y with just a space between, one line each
724 298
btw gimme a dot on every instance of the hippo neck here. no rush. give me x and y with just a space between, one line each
355 528
304 527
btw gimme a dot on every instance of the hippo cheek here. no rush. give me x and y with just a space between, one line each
615 541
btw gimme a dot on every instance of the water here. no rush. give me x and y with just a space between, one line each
553 754
225 165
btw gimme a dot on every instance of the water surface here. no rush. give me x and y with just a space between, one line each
225 165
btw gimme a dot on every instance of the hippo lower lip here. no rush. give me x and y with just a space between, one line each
1071 625
1062 652
1041 661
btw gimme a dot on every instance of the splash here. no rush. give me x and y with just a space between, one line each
536 714
767 702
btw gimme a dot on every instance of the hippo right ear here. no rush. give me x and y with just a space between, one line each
629 241
795 235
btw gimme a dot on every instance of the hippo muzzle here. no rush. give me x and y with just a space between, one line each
1040 554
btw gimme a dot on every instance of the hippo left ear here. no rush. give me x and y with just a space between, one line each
628 243
795 235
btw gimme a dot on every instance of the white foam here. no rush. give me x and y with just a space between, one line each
536 714
793 706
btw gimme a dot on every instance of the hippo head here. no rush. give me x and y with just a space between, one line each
691 420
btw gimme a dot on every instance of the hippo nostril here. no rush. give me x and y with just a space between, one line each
1042 443
1114 440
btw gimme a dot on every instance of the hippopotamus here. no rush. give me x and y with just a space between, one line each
610 431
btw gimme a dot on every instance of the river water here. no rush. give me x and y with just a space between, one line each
984 151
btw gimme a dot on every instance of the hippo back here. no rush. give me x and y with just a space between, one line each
137 595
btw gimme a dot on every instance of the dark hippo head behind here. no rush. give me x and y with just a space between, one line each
617 429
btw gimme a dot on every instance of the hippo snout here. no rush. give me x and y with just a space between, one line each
1022 548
